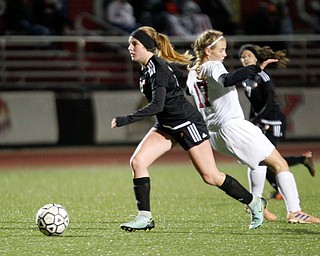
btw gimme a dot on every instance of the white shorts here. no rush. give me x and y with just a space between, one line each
242 140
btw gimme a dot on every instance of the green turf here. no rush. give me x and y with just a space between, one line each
191 218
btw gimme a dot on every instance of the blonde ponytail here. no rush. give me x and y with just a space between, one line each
164 49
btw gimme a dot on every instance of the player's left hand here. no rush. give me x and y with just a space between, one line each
264 64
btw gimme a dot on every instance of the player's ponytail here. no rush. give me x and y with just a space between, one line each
266 52
164 49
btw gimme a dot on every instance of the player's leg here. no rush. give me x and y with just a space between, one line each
257 179
271 178
288 188
154 145
203 159
306 159
294 160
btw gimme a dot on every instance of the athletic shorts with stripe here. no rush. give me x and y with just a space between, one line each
187 134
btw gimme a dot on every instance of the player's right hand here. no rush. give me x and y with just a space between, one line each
114 123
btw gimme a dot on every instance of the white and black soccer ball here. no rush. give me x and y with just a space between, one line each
52 219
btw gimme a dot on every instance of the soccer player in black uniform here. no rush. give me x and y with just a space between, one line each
266 111
178 121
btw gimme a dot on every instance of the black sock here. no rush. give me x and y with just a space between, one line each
234 189
141 187
294 160
271 178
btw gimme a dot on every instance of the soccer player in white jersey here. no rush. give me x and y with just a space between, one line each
216 97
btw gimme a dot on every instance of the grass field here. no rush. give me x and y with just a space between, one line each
191 218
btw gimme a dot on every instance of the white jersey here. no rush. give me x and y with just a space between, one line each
220 107
218 104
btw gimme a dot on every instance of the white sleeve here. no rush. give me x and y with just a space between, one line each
213 69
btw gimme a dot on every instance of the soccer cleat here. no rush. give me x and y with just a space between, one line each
308 162
269 215
257 214
302 218
247 209
276 195
266 213
139 223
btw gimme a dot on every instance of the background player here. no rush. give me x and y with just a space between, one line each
265 111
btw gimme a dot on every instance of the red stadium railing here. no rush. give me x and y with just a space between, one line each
103 61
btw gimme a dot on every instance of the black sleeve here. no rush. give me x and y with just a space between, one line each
252 82
237 76
154 107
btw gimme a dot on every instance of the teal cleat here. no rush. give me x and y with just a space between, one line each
139 223
257 214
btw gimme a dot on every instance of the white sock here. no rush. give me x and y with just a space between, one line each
146 214
257 178
254 202
288 189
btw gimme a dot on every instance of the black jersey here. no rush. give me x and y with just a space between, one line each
166 98
265 108
262 95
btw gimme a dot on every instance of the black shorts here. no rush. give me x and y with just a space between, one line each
276 129
187 134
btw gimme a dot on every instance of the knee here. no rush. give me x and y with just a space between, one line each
136 162
281 166
133 162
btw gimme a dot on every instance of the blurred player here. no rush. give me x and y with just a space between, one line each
265 110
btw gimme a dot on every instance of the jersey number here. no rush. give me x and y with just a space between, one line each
203 88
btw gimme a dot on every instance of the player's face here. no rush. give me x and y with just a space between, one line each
248 58
138 52
219 52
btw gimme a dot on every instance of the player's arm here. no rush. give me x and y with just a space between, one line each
155 106
239 75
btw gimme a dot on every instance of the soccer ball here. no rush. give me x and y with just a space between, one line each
52 219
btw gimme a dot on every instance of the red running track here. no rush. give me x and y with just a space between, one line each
117 155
